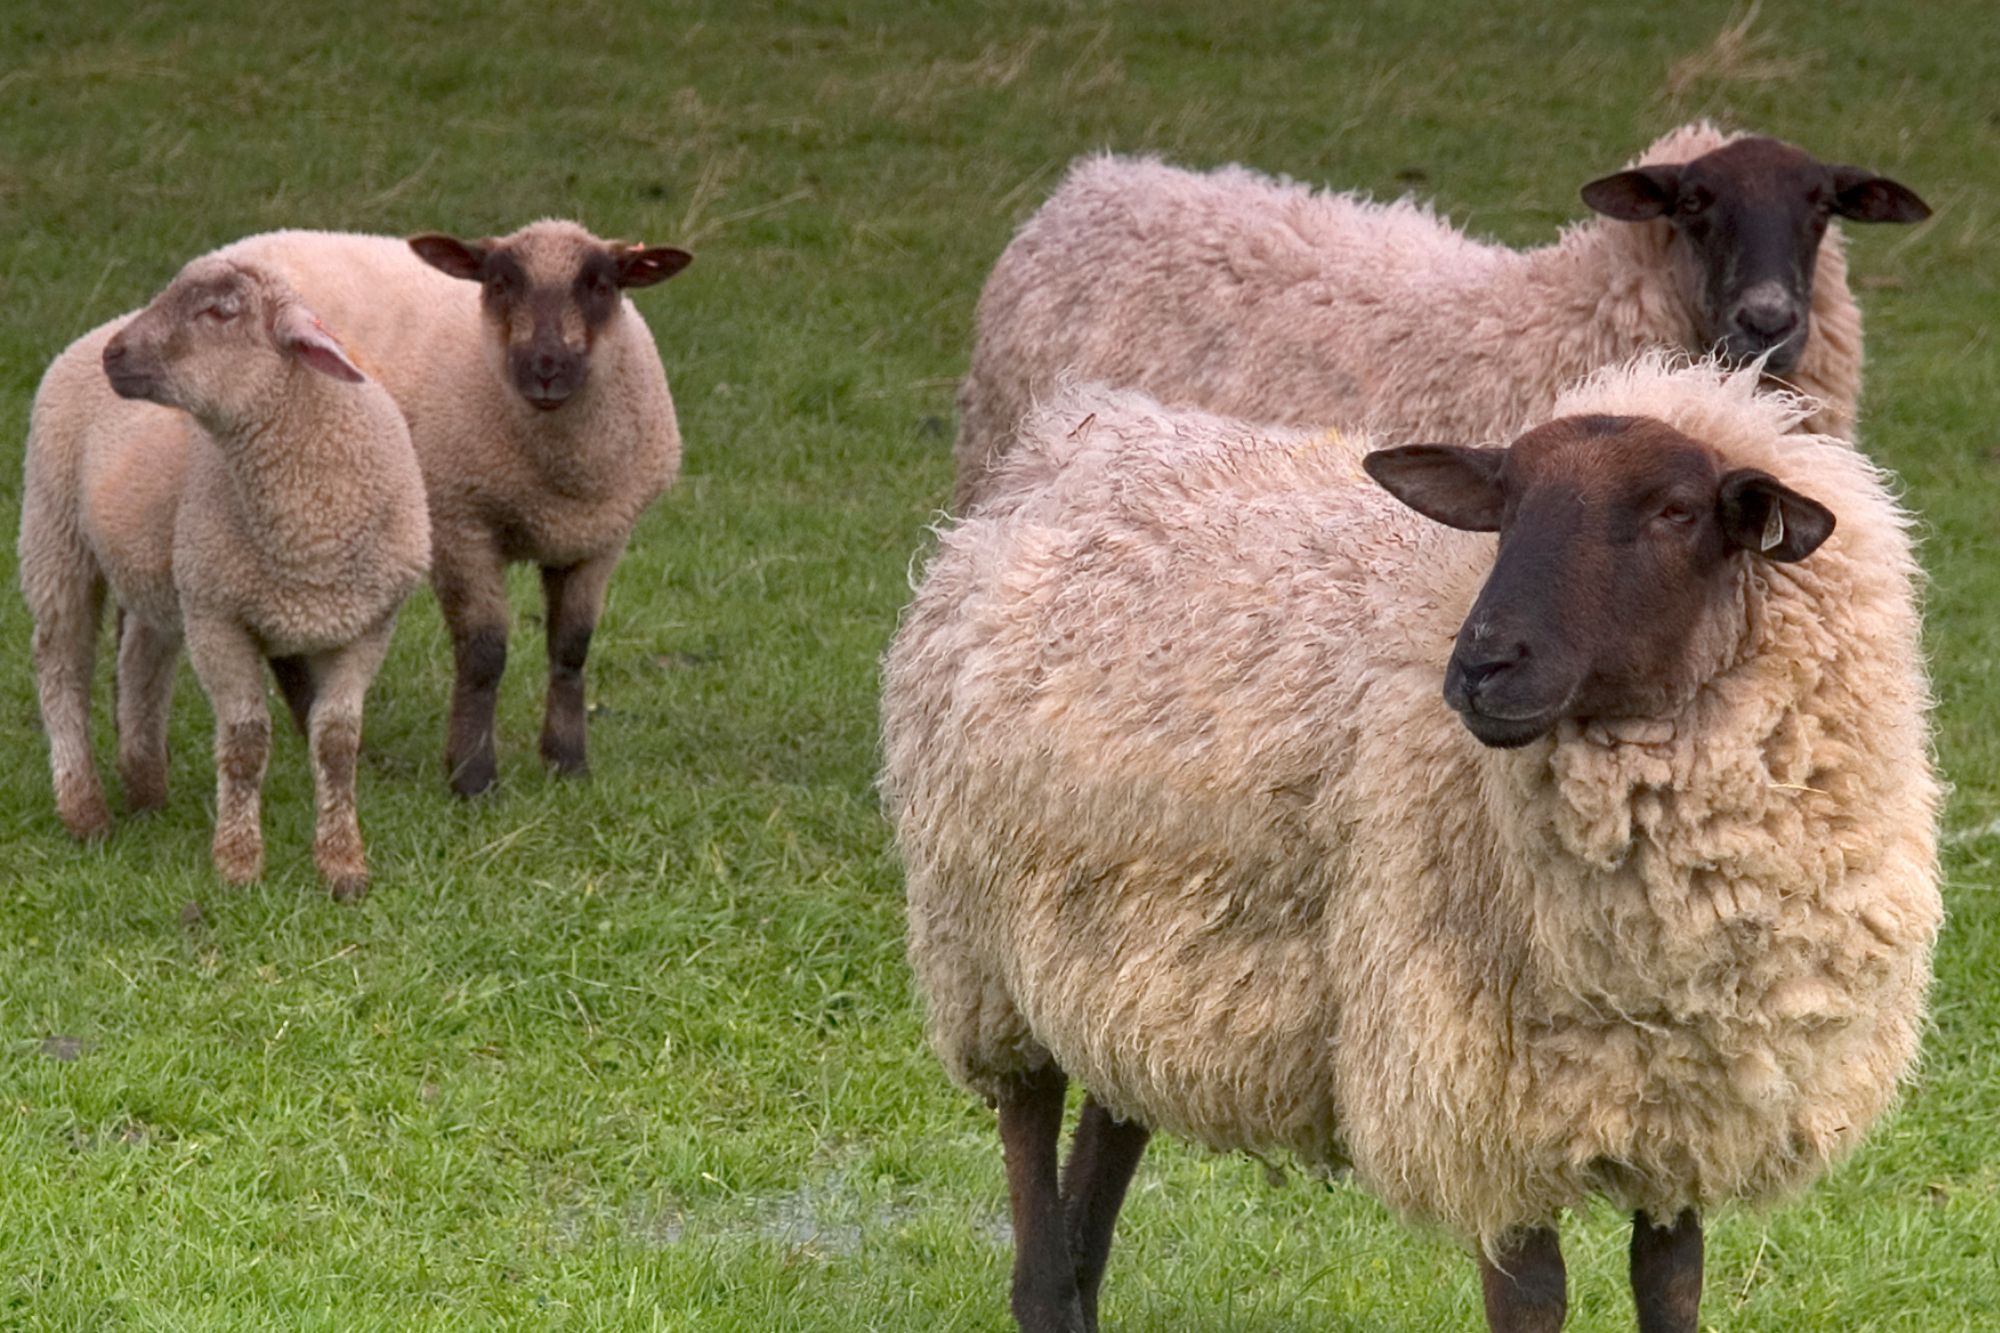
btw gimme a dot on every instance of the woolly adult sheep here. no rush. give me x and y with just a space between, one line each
542 419
1259 298
1184 818
218 464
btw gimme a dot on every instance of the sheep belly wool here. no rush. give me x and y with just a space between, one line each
1258 297
1183 812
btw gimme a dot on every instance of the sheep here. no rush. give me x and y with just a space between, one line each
218 463
542 420
1259 298
1182 817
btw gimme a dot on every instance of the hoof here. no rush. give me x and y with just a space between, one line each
347 888
472 777
238 863
88 821
567 765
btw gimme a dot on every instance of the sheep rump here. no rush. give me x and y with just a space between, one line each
1261 298
1182 812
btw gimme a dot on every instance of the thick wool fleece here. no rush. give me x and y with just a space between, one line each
1184 813
1260 298
304 522
555 487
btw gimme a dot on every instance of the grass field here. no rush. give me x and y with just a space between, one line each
642 1053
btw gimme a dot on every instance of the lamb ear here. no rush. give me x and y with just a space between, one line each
642 266
1635 195
1861 195
1457 486
297 331
1766 517
448 254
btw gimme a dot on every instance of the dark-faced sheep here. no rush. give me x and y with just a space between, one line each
542 419
1285 819
218 464
1262 299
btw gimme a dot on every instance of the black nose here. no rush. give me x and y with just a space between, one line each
1770 322
1473 671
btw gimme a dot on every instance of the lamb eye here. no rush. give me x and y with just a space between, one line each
220 313
1679 515
1692 203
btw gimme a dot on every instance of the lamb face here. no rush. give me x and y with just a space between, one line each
1748 219
1615 590
547 293
217 343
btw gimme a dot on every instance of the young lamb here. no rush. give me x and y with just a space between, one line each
1260 298
219 464
542 420
1184 816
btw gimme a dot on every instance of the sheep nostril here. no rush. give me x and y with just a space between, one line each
1769 322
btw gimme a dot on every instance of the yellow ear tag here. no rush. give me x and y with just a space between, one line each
1774 528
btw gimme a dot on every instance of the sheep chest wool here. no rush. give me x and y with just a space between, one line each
1185 818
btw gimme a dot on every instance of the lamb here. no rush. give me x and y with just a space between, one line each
1183 818
1260 298
542 420
219 464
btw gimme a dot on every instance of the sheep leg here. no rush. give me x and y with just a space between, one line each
340 680
1524 1285
470 578
231 670
1044 1293
295 682
66 594
1666 1273
1103 1154
572 598
146 658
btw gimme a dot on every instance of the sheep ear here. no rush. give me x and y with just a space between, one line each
298 332
1766 517
448 254
1635 195
1457 486
642 266
1861 195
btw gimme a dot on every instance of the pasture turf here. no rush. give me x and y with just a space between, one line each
642 1052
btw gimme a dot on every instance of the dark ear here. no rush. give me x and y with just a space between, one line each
1765 517
639 266
1458 487
1865 197
448 254
1635 195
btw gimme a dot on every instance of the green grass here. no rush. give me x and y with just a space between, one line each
642 1053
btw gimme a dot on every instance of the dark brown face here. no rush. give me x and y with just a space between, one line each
547 295
1614 585
1752 214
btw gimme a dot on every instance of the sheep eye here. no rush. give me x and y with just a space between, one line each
1679 515
221 312
1692 203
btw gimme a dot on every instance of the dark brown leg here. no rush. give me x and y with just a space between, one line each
1666 1273
1525 1290
295 682
1103 1154
470 578
1044 1295
571 615
478 658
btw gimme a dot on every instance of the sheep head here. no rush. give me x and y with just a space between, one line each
219 342
547 293
1748 218
1616 589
